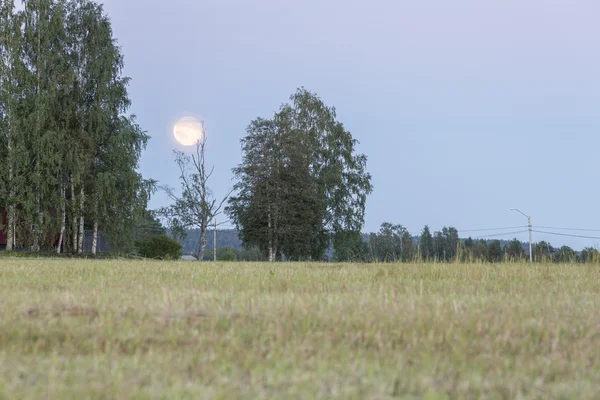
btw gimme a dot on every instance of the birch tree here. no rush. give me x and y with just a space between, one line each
9 54
301 166
256 205
196 207
68 149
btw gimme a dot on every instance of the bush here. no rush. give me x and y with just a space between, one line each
159 247
251 254
227 253
208 255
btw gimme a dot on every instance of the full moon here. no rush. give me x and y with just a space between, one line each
188 131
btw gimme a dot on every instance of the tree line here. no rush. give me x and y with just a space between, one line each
300 195
69 150
393 243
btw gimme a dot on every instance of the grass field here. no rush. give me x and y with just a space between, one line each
131 329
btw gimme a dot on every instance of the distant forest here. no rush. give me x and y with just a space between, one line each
393 244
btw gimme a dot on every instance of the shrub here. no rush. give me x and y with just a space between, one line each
227 253
159 247
251 254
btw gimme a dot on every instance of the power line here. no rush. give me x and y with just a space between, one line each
502 234
568 229
492 229
569 235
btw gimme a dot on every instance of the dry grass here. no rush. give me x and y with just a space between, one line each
125 329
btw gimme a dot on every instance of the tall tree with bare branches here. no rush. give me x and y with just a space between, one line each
196 207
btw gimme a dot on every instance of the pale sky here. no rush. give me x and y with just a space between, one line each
465 108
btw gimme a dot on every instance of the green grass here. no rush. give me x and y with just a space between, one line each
133 329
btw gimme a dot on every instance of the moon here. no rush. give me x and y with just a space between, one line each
188 131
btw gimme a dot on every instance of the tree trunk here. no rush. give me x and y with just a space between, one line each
203 228
63 219
10 229
74 219
95 234
272 244
95 239
37 225
271 252
81 221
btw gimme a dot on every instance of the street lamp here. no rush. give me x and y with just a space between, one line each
530 233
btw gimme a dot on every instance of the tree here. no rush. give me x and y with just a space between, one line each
350 247
407 246
159 247
196 207
118 193
494 251
466 250
392 243
427 247
439 245
515 250
565 255
69 151
480 250
589 255
105 144
450 242
469 243
543 251
227 253
149 225
257 204
386 243
300 181
11 70
251 254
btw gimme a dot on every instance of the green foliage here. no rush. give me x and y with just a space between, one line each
159 247
589 255
227 254
251 254
68 148
300 181
445 244
543 252
208 255
350 247
480 250
515 251
565 255
148 225
392 243
426 244
494 252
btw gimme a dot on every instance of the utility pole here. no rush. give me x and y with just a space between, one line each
530 233
215 241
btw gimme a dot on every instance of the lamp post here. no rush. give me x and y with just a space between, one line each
530 233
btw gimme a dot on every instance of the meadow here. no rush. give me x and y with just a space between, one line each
119 329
